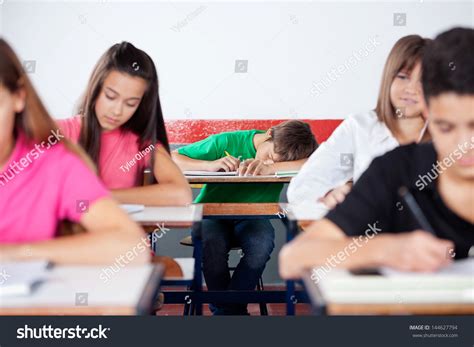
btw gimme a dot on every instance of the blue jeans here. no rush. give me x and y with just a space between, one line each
254 236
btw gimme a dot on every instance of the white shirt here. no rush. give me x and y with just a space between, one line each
344 156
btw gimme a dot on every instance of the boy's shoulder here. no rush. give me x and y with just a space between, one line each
240 132
408 162
410 153
235 135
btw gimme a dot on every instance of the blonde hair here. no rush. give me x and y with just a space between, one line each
405 54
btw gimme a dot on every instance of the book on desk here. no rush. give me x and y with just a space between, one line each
39 289
395 291
235 173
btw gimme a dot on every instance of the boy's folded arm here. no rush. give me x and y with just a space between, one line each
294 165
186 163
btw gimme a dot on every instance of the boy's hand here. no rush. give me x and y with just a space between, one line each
415 251
254 167
226 164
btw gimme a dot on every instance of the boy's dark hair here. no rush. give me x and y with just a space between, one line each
293 140
448 63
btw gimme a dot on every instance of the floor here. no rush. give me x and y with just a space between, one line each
254 309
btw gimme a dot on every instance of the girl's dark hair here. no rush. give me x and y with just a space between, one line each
147 122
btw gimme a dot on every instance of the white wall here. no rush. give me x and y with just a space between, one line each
289 47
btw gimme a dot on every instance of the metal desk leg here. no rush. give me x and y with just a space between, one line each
197 282
291 231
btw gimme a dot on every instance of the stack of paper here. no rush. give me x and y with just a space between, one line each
454 284
19 278
210 173
132 208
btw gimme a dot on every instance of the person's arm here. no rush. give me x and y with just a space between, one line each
294 165
337 195
172 187
186 163
368 217
330 166
254 167
208 154
325 244
110 236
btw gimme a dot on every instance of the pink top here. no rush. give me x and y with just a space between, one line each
120 160
41 186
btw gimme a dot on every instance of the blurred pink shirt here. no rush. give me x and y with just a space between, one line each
41 186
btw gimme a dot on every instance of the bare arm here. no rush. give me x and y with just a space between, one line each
109 235
337 195
227 163
172 189
325 243
254 167
186 163
294 165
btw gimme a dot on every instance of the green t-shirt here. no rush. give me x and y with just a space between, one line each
236 143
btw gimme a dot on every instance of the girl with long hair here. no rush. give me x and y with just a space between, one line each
120 126
45 180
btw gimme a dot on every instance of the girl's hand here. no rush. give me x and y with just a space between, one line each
336 196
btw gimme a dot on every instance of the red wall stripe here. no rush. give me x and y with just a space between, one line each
192 130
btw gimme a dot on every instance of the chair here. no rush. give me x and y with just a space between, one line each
188 242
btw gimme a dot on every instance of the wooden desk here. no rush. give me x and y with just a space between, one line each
401 309
237 179
241 210
130 291
326 299
169 216
304 214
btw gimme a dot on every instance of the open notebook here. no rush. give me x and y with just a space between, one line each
19 278
234 173
209 173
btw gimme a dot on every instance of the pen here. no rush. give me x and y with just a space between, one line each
230 155
415 210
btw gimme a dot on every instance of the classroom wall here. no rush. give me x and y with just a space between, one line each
293 59
223 59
